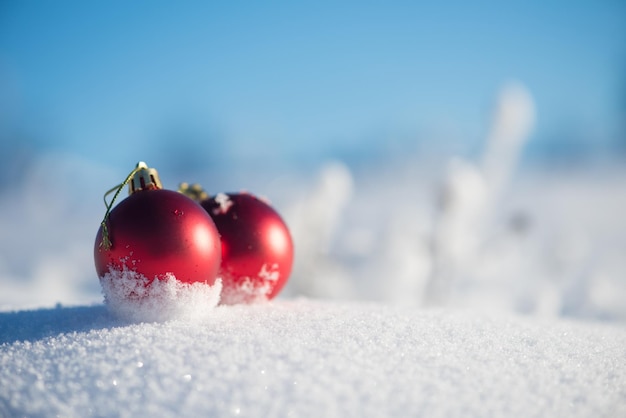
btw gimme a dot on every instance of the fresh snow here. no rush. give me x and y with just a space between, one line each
130 295
308 358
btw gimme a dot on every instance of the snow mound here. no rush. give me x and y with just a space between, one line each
245 290
304 358
131 296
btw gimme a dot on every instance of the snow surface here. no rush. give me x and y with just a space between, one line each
309 358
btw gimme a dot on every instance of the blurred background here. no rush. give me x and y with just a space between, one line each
445 153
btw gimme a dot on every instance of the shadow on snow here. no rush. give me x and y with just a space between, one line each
41 323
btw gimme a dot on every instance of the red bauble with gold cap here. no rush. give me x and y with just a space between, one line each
155 232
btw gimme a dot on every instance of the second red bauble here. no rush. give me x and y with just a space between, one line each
257 248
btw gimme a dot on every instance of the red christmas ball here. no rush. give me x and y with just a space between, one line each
257 249
155 232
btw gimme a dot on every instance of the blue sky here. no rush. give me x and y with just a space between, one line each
114 81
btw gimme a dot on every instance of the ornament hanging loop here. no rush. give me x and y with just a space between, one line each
142 178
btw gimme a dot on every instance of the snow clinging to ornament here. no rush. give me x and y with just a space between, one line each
257 248
155 235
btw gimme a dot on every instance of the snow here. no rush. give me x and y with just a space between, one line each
224 204
246 290
130 295
309 358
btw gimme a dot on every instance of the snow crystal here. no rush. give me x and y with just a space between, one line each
225 203
131 296
305 358
270 273
246 290
251 289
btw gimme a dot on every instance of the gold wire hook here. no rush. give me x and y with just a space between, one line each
106 239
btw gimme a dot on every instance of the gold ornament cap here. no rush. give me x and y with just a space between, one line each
145 178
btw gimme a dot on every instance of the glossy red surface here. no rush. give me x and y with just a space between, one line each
256 243
155 232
